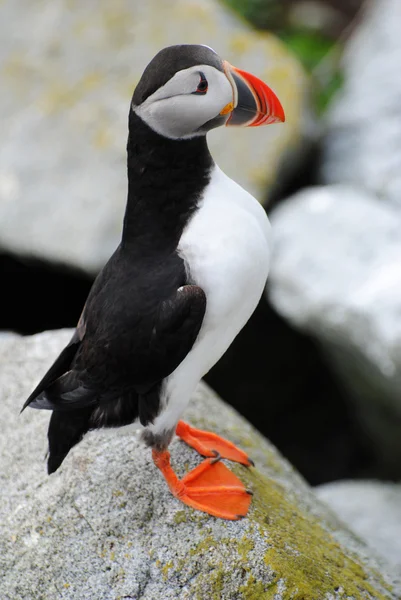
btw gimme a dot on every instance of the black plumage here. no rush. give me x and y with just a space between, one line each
143 313
144 338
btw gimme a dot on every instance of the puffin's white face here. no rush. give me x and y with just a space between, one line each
186 90
193 101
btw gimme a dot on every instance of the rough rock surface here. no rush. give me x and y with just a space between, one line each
106 527
68 70
362 145
372 509
337 275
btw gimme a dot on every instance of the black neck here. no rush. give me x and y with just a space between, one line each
165 180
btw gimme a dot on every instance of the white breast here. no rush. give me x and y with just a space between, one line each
226 249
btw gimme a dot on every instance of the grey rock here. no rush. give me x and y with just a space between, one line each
363 142
336 274
106 527
372 509
67 76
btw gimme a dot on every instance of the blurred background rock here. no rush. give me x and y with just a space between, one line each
318 367
68 73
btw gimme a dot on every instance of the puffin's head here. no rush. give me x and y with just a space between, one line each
187 90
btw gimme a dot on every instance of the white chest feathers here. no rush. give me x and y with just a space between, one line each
226 249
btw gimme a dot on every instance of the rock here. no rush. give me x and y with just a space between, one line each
105 525
336 275
278 386
68 73
362 145
373 510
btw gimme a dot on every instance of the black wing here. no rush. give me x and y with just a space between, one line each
81 402
60 366
71 383
177 326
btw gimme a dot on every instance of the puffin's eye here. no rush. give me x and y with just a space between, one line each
202 85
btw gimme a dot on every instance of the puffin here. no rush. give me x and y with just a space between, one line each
188 273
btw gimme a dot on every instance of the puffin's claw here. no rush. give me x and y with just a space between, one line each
211 444
210 487
217 457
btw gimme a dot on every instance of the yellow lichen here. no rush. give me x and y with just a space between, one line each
301 552
303 560
244 546
165 569
254 590
180 517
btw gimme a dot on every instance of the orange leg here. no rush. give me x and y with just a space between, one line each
211 444
210 487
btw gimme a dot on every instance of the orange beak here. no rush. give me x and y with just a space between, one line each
254 103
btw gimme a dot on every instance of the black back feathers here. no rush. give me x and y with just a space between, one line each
143 313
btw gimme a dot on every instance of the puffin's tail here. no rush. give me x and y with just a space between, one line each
66 429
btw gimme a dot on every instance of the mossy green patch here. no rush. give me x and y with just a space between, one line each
204 546
303 560
254 590
180 517
191 516
301 552
166 568
244 546
217 580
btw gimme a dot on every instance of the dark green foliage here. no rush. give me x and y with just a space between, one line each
320 57
262 14
309 46
317 52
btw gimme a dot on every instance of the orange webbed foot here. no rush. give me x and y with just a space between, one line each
211 487
211 444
